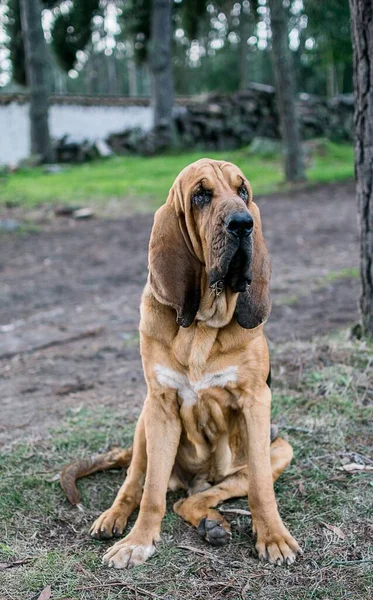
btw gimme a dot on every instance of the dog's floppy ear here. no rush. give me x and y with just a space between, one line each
175 273
254 305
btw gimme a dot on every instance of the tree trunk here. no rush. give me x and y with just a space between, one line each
362 39
244 34
132 76
285 93
37 78
331 85
161 66
112 74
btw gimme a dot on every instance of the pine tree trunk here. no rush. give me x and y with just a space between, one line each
132 77
161 66
331 86
37 78
362 39
244 34
112 74
285 93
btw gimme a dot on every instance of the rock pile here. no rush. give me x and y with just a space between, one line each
68 150
222 122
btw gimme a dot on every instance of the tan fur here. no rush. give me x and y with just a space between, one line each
217 442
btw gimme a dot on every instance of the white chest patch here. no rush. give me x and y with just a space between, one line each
187 389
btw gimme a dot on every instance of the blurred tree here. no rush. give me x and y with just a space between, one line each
328 29
192 12
72 31
36 70
17 50
244 35
285 93
217 45
13 28
161 67
136 24
362 37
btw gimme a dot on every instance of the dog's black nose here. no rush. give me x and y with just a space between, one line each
240 224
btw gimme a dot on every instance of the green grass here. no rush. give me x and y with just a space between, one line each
343 274
142 183
323 402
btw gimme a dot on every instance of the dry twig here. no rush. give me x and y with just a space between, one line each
73 338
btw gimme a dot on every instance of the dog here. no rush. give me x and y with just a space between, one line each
205 423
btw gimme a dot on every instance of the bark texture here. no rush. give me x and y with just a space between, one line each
285 93
362 39
37 78
161 65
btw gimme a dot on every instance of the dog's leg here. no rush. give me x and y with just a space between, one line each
274 542
281 455
162 431
198 508
113 521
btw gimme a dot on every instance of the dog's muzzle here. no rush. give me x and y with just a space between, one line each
240 224
234 269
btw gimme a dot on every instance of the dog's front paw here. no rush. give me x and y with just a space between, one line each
275 544
130 552
110 523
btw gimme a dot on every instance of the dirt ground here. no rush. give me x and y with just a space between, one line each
71 385
70 294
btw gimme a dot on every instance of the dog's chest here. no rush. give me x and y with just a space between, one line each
189 389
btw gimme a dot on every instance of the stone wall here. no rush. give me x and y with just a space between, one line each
232 121
211 122
221 122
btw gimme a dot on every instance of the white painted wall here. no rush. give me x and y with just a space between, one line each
14 133
80 122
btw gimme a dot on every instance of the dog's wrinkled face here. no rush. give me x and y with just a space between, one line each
219 198
209 234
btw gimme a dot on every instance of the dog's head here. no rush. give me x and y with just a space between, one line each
210 226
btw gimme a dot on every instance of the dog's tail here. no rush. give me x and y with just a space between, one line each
115 459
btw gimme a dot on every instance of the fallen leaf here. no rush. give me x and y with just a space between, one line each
301 489
46 593
55 477
337 530
356 468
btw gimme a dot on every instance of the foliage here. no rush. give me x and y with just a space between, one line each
322 58
192 13
72 31
17 51
329 33
135 21
13 28
329 24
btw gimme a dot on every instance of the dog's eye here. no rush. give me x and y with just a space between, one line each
243 192
201 197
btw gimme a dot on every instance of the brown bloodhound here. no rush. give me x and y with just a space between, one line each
205 423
